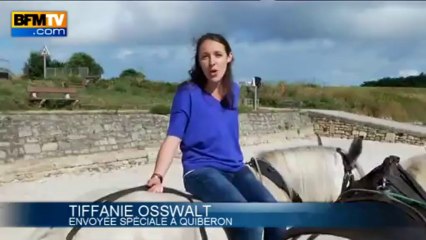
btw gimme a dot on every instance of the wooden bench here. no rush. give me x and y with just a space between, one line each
44 94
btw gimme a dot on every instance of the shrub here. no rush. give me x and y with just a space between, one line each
120 89
244 109
160 109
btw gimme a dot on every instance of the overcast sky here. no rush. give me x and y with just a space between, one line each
333 43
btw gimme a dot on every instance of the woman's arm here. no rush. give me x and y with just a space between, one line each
165 154
179 117
164 159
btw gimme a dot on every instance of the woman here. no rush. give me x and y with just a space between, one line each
204 122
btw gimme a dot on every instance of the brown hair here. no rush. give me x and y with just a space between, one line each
198 77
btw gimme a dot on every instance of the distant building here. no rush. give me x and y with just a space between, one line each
5 72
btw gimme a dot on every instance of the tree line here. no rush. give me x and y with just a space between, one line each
33 69
410 81
34 66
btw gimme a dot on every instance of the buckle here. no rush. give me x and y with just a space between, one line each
382 184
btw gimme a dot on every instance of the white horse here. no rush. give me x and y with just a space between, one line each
315 173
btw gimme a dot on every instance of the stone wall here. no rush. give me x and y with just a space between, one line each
34 145
345 125
41 135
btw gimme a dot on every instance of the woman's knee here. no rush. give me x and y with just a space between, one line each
246 175
252 189
210 185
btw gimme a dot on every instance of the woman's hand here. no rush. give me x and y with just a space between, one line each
155 185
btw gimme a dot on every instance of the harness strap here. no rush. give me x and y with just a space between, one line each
406 179
272 174
116 195
348 178
359 195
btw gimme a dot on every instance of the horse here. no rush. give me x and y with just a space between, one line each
407 181
315 173
171 195
321 180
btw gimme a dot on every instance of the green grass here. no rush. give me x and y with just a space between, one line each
401 104
13 95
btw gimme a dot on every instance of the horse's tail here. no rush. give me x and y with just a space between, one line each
319 139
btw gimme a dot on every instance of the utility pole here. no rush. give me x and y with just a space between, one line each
45 53
256 82
255 98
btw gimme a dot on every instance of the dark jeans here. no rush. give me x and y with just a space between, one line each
213 185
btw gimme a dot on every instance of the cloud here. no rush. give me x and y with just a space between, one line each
333 42
408 72
178 22
124 53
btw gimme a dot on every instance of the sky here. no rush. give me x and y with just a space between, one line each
328 43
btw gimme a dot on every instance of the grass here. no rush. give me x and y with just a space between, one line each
13 95
401 104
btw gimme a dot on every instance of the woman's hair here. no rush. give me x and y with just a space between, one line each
197 76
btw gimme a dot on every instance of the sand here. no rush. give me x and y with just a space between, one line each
70 187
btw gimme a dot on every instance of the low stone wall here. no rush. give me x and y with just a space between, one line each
41 144
42 135
345 125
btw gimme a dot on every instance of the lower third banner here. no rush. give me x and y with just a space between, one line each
177 214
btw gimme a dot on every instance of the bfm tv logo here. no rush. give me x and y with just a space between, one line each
39 24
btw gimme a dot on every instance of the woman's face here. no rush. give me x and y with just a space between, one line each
213 60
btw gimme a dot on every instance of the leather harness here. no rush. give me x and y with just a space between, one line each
267 170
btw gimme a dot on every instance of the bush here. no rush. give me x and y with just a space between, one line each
160 109
6 92
75 80
244 109
102 84
120 88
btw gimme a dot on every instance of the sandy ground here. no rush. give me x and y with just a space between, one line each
75 186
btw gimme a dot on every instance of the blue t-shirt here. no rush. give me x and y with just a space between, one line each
209 131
